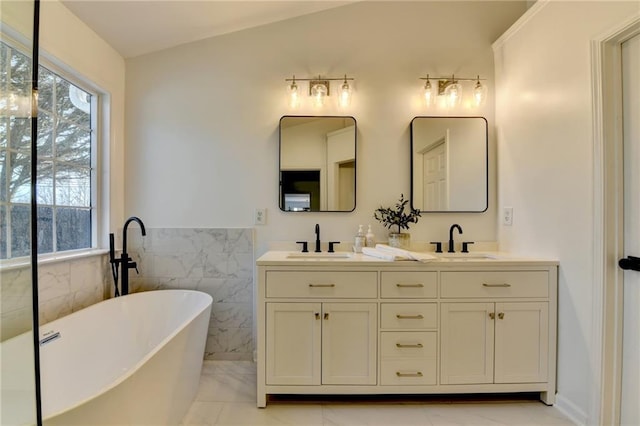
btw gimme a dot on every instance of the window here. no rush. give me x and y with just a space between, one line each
65 165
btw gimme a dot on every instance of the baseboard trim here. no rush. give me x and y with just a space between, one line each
572 411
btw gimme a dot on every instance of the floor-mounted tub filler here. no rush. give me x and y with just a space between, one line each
133 360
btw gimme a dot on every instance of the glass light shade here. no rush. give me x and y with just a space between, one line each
428 93
344 98
293 93
319 93
453 94
479 93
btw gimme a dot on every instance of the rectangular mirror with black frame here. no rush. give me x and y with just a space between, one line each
317 164
449 164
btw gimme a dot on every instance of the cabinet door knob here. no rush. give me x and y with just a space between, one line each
501 315
317 315
326 315
492 315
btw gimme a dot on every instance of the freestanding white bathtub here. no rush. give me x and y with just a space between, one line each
132 360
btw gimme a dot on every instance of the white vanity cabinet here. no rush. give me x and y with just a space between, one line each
361 325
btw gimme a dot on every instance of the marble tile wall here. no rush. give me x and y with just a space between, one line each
216 261
64 287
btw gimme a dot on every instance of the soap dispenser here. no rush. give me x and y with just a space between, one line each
359 241
370 239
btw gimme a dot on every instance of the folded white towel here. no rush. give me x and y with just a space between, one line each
370 251
412 255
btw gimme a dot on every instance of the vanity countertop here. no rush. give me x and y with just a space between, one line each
278 258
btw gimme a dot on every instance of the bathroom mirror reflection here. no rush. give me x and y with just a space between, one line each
449 162
317 164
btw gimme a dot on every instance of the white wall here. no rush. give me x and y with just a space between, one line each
72 46
545 163
202 118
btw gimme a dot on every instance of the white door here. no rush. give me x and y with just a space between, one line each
349 345
467 336
293 343
521 342
630 406
434 164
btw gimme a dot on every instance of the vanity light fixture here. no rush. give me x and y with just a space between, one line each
428 92
319 90
450 89
293 94
479 92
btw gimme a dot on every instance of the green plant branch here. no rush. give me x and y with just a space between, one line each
396 216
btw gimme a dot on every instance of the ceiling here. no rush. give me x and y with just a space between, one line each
137 27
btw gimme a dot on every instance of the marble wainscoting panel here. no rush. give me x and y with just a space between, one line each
64 286
215 261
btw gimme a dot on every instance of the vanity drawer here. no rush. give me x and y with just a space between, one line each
494 284
408 344
412 285
418 371
322 284
409 315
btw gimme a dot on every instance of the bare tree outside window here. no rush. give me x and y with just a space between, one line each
64 147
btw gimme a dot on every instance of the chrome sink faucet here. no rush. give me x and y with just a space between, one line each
454 226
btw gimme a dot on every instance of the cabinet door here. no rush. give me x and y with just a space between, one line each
349 345
467 333
521 344
293 343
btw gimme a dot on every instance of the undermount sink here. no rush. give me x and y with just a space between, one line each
326 255
467 256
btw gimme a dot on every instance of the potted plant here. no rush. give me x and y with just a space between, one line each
396 219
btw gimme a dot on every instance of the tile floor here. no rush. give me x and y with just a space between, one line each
227 396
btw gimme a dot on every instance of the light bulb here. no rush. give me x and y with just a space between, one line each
453 94
294 94
318 92
428 93
479 92
344 99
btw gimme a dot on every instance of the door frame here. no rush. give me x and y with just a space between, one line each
608 214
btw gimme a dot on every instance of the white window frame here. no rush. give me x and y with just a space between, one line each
99 104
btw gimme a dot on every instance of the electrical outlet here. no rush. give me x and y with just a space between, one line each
507 216
260 217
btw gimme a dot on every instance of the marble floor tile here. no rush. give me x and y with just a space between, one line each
227 396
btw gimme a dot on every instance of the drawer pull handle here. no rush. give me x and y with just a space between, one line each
496 285
400 285
409 345
419 316
322 285
416 374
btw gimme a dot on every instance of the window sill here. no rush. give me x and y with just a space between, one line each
46 259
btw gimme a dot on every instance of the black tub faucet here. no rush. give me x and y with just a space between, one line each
125 261
454 226
317 250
